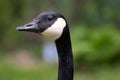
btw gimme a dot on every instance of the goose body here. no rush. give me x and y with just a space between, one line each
54 25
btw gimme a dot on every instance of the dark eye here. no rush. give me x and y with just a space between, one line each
50 18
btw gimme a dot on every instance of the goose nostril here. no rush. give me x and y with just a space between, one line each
28 25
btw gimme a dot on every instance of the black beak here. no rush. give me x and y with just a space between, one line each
31 27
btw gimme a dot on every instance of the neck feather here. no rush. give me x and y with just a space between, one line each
63 44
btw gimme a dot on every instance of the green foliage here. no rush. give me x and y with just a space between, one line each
93 42
9 14
91 12
96 46
48 72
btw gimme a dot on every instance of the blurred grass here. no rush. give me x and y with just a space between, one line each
10 72
49 72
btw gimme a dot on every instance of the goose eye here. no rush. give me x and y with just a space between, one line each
50 18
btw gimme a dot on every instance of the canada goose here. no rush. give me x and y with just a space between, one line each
54 25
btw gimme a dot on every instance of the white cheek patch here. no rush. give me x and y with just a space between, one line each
55 30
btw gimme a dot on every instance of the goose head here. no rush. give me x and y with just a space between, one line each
49 24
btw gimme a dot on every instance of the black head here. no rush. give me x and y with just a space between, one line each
50 24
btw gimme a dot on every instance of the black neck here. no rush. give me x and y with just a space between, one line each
65 56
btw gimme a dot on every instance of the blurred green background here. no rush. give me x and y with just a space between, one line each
95 33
